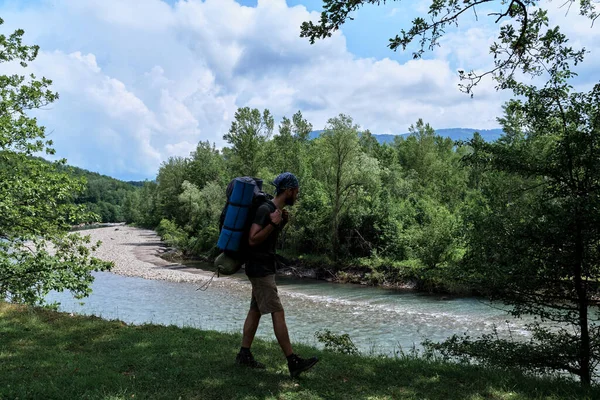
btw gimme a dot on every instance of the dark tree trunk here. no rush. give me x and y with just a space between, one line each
582 300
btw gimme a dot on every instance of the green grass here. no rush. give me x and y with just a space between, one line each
50 355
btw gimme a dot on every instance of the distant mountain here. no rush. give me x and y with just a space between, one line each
489 135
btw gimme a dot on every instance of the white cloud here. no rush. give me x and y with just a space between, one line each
97 118
141 80
182 149
131 14
176 116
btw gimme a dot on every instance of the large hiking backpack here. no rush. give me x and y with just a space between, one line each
244 196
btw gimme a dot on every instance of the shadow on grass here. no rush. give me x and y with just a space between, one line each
56 356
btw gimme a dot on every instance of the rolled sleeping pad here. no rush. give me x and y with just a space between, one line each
238 206
256 181
227 264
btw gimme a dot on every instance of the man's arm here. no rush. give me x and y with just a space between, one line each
263 226
259 234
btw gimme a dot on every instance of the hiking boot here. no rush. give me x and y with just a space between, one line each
248 360
296 364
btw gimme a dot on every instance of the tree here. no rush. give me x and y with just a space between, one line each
282 149
148 205
130 209
203 208
289 146
419 152
433 237
435 163
534 242
344 169
37 253
206 165
170 178
369 143
248 133
521 46
302 128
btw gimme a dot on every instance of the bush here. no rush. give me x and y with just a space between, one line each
546 352
172 234
337 343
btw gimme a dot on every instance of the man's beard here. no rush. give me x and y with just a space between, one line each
290 201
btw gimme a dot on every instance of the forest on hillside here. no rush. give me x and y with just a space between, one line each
103 195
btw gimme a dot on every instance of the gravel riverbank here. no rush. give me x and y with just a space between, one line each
136 252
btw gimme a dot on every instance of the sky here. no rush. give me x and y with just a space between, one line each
144 80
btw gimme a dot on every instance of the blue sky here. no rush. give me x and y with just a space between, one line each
144 80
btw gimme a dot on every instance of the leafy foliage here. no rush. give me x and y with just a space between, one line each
346 172
248 133
337 343
535 243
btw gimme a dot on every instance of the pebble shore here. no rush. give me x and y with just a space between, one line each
136 252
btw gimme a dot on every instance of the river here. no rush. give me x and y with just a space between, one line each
378 320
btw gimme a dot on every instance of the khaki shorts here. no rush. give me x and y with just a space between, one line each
264 295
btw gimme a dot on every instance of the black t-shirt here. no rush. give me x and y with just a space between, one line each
261 258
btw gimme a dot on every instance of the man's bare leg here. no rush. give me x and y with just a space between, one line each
250 327
281 332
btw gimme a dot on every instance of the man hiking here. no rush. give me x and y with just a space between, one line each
268 221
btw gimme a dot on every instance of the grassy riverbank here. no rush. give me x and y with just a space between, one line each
50 355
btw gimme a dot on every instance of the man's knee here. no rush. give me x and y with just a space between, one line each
278 316
253 314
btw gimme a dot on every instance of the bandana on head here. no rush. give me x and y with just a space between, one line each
287 180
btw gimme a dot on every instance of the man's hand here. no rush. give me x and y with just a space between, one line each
285 216
276 217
